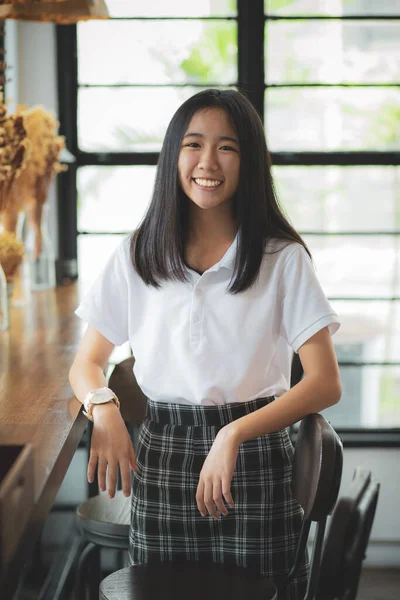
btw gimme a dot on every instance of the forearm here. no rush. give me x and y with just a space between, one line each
88 377
309 396
85 377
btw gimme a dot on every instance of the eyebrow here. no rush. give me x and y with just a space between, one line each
222 138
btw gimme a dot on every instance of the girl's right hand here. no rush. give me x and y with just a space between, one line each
111 447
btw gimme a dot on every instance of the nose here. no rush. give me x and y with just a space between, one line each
208 160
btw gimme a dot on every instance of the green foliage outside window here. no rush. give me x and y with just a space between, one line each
209 59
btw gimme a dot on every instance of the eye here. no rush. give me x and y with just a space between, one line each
192 145
229 148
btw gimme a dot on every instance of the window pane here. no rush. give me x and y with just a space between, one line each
340 198
370 398
132 119
93 253
357 267
332 7
113 198
171 8
332 52
332 119
370 331
157 52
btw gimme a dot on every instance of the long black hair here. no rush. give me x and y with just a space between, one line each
157 246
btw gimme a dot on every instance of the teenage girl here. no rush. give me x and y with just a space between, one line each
214 291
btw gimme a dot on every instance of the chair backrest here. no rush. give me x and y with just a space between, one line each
296 371
317 467
347 538
316 476
123 382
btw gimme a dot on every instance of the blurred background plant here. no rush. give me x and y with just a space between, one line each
11 254
30 189
14 151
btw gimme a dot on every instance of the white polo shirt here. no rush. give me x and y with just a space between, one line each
194 343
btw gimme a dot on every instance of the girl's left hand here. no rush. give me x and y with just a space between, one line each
216 475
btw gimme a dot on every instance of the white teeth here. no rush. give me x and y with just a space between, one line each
208 182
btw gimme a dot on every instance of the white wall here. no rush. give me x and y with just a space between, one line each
32 54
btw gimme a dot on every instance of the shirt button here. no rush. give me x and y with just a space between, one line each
199 291
196 318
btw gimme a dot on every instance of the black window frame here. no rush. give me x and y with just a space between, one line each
251 19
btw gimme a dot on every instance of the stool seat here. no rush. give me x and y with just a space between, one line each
105 521
183 580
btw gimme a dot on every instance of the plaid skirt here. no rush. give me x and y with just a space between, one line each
259 533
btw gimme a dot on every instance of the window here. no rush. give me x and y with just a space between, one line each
133 73
324 76
331 80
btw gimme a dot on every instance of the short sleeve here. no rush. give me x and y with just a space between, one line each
105 306
306 309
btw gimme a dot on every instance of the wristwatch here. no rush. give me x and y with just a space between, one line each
99 396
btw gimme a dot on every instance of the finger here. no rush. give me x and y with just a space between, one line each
101 473
226 492
217 497
208 499
112 476
200 498
132 460
125 476
91 467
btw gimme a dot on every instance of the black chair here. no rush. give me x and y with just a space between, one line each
104 522
317 470
347 539
296 370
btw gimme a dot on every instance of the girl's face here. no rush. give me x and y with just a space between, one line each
209 159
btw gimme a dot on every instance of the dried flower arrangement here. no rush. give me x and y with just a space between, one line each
43 161
11 254
31 188
14 150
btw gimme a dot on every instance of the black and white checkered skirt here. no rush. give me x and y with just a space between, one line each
259 533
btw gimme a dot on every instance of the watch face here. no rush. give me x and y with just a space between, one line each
101 396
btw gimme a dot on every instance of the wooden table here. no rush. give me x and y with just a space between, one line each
37 404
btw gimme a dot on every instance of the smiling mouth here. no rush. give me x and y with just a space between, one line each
207 183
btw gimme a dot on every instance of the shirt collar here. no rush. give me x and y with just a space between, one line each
228 260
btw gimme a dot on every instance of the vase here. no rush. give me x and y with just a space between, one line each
4 302
41 266
22 283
